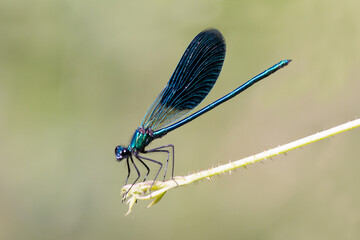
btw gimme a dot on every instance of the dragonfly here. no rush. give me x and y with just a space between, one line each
192 80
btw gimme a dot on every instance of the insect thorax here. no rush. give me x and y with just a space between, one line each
141 139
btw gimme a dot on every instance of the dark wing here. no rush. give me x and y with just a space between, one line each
192 80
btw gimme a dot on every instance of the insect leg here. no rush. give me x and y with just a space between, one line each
160 149
138 172
146 166
151 160
128 167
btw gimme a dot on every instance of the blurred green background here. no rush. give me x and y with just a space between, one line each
76 78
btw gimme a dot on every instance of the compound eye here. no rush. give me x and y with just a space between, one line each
119 152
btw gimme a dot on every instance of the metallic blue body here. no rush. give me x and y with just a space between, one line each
225 98
191 82
142 137
140 140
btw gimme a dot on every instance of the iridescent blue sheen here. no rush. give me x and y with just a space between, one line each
191 82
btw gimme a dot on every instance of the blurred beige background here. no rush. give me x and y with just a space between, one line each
76 78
